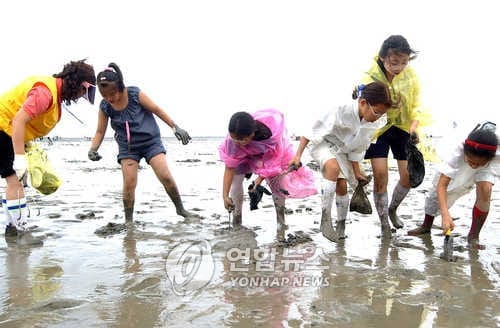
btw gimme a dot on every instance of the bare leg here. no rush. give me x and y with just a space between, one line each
380 177
160 167
236 194
279 205
129 172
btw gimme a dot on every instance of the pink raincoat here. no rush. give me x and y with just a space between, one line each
269 158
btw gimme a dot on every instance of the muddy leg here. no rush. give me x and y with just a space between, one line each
236 194
279 205
129 172
342 203
129 211
326 227
398 195
173 193
381 200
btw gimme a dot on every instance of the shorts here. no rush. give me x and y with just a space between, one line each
6 155
137 152
456 189
395 139
324 151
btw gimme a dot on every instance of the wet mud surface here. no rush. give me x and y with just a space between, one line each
95 270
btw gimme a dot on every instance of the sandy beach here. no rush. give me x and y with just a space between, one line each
164 271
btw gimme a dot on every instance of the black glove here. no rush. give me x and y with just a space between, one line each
94 155
181 134
255 194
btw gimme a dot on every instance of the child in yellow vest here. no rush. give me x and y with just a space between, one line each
28 111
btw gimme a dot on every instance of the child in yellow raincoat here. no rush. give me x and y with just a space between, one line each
390 66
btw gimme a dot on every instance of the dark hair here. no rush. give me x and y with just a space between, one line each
399 45
73 75
481 142
111 76
242 124
374 93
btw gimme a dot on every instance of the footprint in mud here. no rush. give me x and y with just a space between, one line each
88 215
293 239
111 229
240 237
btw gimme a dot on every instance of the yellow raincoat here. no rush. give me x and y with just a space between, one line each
405 95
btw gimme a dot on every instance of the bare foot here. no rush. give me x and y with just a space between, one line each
188 215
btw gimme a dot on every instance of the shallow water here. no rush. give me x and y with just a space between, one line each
163 271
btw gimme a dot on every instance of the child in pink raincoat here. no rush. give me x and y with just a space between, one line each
258 143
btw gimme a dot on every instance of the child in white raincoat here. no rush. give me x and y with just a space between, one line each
473 162
338 142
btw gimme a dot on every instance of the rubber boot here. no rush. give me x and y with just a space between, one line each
342 203
424 228
326 227
478 219
380 200
398 195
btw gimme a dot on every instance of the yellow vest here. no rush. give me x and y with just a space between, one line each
12 101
